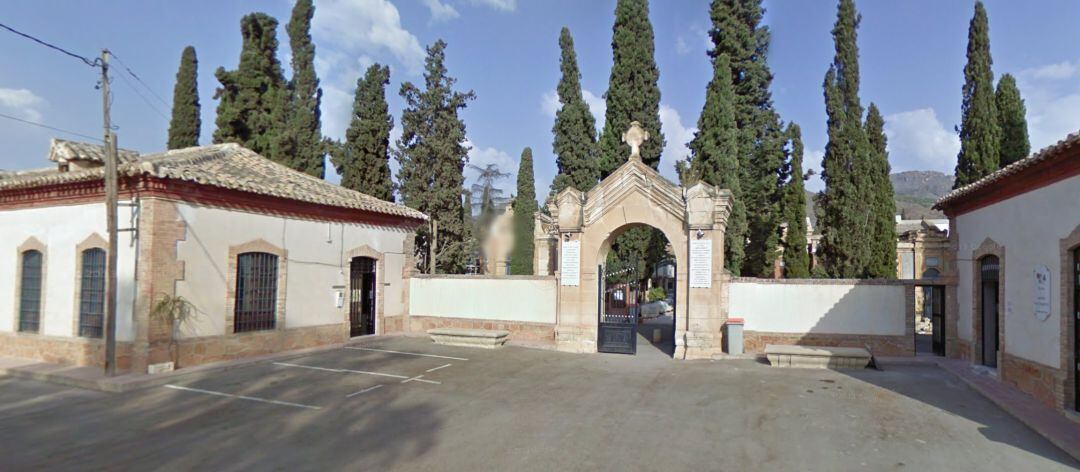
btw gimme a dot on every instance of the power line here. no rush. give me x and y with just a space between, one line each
136 77
42 125
143 97
91 63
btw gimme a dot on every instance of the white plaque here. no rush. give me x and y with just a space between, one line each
1042 292
700 263
570 263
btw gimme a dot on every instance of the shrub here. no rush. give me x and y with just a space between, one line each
655 294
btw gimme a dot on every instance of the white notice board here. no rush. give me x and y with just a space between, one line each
570 263
701 263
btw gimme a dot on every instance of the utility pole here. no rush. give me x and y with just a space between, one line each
110 215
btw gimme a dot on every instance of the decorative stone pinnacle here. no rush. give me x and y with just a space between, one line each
635 136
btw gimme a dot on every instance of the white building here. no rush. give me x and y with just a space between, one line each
1016 238
267 258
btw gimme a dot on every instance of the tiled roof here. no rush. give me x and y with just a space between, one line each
228 166
1009 170
62 150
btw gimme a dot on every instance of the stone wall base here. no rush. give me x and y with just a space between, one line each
1046 384
575 339
393 324
202 350
754 342
700 345
519 331
63 350
958 349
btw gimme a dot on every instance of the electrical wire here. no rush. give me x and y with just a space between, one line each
92 63
143 97
137 78
42 125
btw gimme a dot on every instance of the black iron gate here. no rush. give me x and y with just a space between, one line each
936 300
361 296
617 309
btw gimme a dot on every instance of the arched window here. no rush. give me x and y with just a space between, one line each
92 293
256 291
30 292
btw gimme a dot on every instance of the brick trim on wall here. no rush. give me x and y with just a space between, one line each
380 274
257 245
989 247
519 330
881 345
1068 394
206 349
94 241
34 244
1033 378
63 350
157 271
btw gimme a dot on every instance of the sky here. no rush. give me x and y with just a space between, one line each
912 55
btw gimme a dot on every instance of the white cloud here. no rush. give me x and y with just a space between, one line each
482 156
441 11
677 137
1059 71
812 161
918 140
358 27
549 105
1052 97
22 103
681 48
503 5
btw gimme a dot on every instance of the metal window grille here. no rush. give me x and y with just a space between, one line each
989 266
30 292
92 294
256 291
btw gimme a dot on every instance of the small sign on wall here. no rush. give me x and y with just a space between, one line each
1042 292
570 263
701 263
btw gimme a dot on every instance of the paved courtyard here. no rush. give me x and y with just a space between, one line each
428 407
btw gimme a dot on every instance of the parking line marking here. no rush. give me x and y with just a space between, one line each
406 353
241 397
341 371
366 390
437 368
420 378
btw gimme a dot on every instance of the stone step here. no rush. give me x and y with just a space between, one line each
483 338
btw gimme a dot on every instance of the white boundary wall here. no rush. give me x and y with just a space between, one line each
525 299
832 307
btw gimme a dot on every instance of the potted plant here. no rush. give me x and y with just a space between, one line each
174 310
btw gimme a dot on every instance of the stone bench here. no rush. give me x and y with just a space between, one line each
817 357
485 338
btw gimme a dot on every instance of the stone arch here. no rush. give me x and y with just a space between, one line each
636 194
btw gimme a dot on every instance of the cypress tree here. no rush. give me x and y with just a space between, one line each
633 93
845 218
305 119
980 130
714 156
882 262
185 124
737 31
432 155
796 257
1013 121
575 128
521 259
363 160
249 111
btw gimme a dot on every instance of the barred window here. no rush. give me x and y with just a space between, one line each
92 294
256 291
30 292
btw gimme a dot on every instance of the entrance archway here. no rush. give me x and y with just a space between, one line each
693 221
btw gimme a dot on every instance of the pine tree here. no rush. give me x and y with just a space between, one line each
186 123
249 111
796 257
714 156
575 128
432 154
521 259
882 211
845 208
363 160
1013 121
305 118
980 130
738 32
633 93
